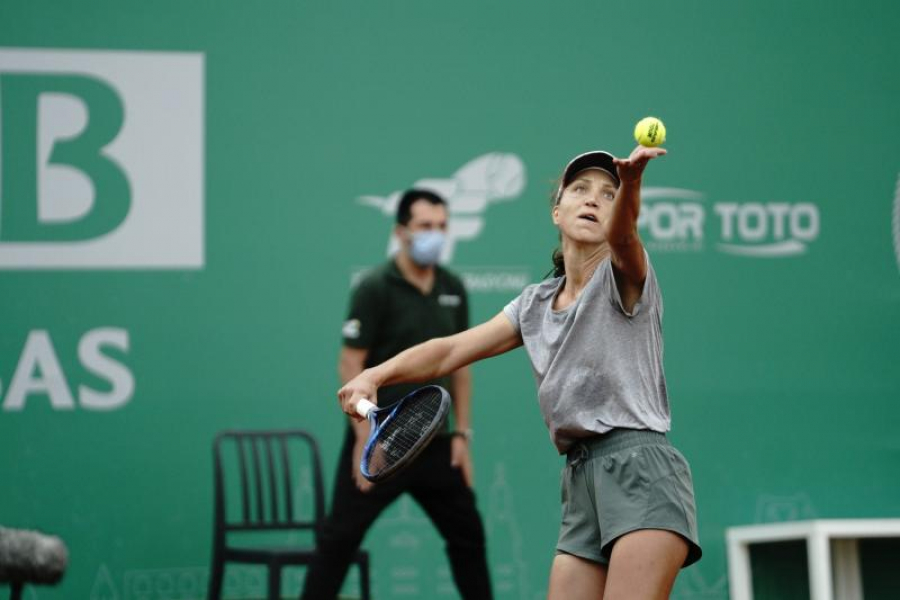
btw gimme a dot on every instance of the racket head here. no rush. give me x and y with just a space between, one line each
402 430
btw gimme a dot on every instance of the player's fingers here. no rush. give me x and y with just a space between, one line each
642 154
647 154
348 401
647 150
343 397
628 163
350 410
347 406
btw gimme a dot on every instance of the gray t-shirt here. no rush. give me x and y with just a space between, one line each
597 367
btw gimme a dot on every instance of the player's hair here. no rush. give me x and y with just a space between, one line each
404 208
559 266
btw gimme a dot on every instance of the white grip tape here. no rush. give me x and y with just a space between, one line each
364 407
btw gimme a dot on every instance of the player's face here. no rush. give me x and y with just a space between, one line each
585 206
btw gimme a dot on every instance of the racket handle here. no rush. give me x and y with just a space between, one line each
364 407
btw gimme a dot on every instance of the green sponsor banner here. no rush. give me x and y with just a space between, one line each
188 193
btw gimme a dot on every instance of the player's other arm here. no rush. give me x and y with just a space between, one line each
432 359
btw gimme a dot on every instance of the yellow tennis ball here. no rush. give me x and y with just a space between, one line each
650 132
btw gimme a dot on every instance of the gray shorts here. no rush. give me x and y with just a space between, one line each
620 482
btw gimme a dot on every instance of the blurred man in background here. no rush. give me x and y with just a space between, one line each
404 302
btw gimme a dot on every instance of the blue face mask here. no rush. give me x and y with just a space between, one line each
426 247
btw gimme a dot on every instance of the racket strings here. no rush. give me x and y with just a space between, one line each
402 433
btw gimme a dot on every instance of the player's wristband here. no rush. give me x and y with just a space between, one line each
466 434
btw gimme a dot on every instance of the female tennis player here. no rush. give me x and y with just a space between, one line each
593 335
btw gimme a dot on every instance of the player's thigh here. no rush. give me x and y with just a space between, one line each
574 578
644 565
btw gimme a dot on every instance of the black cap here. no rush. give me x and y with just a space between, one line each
595 159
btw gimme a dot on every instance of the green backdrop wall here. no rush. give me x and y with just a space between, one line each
192 276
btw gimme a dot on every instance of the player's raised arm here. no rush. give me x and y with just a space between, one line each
432 359
622 232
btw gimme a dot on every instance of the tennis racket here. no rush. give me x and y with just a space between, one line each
401 431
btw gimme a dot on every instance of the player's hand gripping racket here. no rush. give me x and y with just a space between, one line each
401 431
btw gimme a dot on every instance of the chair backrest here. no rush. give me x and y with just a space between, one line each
267 480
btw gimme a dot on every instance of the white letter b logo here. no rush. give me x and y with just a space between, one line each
101 159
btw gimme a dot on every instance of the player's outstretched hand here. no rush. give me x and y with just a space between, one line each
355 390
632 168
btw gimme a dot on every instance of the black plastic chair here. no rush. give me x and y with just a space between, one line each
269 483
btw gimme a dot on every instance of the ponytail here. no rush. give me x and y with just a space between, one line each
559 265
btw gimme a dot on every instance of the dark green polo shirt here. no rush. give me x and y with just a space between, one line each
388 315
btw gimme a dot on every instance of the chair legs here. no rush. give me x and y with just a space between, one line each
274 581
215 579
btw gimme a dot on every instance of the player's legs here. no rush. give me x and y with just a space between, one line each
644 564
352 513
627 503
443 494
574 578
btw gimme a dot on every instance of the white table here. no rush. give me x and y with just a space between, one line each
832 547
